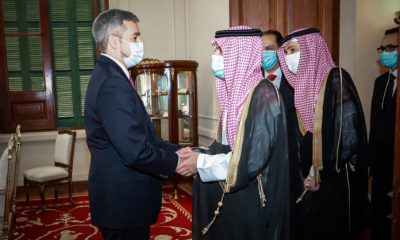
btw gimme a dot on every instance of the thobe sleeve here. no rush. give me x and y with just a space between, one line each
213 167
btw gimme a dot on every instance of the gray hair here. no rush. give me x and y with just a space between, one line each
107 21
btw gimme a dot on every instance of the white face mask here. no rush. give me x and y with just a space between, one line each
292 61
217 66
136 55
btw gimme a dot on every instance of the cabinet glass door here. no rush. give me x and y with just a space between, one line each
153 89
185 107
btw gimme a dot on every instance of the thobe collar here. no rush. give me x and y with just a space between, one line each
119 64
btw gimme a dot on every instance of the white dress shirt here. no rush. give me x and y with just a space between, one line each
278 79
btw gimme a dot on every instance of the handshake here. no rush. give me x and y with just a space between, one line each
187 164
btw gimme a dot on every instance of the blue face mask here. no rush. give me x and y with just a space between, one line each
217 66
389 59
136 54
269 59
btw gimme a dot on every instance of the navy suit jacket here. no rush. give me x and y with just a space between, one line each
127 161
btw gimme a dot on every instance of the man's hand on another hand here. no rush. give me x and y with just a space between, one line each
187 165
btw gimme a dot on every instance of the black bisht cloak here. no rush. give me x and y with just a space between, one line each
339 209
260 159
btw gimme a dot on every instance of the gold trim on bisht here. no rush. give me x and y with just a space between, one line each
340 122
317 134
234 163
303 129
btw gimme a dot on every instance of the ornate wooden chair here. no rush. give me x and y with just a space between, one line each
53 175
4 188
9 161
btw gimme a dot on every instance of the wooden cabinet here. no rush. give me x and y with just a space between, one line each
169 92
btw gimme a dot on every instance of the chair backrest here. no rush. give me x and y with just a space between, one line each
18 142
12 157
18 145
3 189
65 148
3 169
10 191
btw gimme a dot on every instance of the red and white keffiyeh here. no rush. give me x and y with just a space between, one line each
242 70
314 66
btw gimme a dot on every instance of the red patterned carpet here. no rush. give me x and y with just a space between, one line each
63 221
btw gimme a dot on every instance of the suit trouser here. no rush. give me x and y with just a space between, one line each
133 233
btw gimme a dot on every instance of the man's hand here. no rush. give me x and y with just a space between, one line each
187 165
310 184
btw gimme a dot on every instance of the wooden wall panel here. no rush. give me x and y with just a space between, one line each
255 13
281 17
260 13
302 14
31 110
289 15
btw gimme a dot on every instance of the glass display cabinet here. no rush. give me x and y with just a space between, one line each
169 92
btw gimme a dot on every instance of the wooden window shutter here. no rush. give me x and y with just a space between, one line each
25 69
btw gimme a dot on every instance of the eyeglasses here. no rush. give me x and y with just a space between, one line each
387 48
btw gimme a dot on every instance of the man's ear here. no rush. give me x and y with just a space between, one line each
113 41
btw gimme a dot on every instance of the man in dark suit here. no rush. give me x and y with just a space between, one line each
127 161
271 41
381 137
